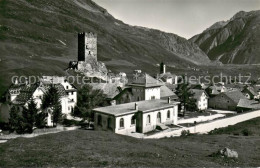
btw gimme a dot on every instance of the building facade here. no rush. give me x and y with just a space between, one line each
143 116
201 99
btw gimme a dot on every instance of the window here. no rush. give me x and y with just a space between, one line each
67 87
72 93
168 114
159 117
69 108
109 123
99 120
148 119
133 120
72 100
153 97
121 123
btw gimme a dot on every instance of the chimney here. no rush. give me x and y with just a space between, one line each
136 106
169 100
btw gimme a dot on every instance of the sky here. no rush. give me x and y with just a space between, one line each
185 18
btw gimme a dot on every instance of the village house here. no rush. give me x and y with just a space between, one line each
246 105
119 95
226 100
201 99
251 92
20 94
142 117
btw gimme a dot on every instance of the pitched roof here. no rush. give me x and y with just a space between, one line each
235 95
250 104
252 90
198 93
110 89
129 108
146 81
26 92
166 92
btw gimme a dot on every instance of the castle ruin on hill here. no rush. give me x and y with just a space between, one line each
87 57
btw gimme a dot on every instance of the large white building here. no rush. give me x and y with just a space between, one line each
21 93
143 116
145 87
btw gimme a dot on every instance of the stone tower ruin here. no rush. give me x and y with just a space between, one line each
87 46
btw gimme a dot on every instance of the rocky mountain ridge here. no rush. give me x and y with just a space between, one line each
234 41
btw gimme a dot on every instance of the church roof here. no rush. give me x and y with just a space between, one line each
145 80
129 108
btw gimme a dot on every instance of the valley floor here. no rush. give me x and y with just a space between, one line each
98 148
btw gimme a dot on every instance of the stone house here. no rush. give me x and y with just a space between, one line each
226 100
142 116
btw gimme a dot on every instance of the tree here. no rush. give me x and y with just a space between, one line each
29 115
13 119
16 121
52 99
87 100
186 97
40 119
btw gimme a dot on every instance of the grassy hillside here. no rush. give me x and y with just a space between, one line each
97 148
40 37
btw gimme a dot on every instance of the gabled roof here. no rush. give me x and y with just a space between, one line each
198 93
110 89
145 80
250 104
26 92
250 90
166 92
235 95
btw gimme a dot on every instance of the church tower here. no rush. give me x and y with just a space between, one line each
87 46
162 68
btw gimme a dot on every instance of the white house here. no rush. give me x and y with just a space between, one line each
142 116
21 93
201 99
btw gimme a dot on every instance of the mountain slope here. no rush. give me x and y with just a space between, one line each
40 37
235 41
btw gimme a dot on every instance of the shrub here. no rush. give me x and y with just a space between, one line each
246 132
185 133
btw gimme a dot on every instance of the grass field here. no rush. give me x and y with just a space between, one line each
99 149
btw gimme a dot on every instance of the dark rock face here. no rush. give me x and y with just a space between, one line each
234 41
